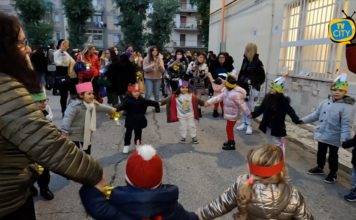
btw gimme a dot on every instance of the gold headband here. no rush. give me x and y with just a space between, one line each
229 85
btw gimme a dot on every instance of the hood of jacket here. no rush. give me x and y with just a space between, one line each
140 203
347 100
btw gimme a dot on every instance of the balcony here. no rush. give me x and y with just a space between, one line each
186 27
188 45
188 8
95 25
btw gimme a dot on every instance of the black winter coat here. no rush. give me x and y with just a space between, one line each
135 111
274 108
131 203
120 74
348 144
251 73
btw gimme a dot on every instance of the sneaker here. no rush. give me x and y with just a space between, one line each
126 149
316 171
351 197
330 179
241 127
182 140
230 146
215 114
249 130
46 194
195 140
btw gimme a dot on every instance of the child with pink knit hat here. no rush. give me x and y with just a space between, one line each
79 121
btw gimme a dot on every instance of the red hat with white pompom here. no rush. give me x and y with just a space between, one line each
144 168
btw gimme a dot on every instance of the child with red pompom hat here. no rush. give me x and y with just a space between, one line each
144 197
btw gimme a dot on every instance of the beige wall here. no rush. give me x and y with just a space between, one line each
246 21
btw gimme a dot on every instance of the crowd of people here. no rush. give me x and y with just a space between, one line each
31 146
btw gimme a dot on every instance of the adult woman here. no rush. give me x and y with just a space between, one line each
177 67
25 135
91 59
153 68
220 69
251 77
198 71
120 74
64 63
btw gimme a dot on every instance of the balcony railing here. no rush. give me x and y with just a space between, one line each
186 26
95 25
184 7
188 44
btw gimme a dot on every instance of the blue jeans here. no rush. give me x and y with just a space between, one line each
353 178
153 86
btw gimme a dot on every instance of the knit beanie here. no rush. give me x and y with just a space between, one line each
144 168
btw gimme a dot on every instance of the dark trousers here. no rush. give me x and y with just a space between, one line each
25 212
80 145
333 157
66 85
43 179
128 135
174 85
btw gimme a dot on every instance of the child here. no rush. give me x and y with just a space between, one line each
183 107
335 116
79 121
44 176
144 197
264 193
351 197
135 107
274 107
233 98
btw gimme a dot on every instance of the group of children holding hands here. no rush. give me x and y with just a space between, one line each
145 197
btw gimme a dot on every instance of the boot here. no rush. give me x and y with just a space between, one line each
46 194
230 146
215 114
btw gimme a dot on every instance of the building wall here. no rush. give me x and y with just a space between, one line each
261 22
6 6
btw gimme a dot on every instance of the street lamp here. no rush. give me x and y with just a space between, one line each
222 40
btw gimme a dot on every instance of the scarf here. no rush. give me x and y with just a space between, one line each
89 124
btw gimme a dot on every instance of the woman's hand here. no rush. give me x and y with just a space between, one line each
101 184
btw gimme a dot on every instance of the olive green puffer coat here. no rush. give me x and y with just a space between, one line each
26 137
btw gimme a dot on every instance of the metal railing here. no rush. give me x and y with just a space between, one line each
185 7
186 26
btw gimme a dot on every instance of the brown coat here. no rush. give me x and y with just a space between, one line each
27 137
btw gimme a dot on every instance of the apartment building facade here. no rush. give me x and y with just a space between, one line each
103 28
291 35
185 33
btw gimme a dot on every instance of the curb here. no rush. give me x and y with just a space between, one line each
342 166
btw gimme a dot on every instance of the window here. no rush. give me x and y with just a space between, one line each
57 18
182 40
97 37
305 48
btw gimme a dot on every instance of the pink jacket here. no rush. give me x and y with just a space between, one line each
217 88
234 103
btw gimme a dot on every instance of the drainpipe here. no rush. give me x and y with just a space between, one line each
268 74
222 40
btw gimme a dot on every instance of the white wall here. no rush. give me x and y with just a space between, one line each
261 23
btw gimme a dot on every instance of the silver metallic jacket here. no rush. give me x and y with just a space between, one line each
271 201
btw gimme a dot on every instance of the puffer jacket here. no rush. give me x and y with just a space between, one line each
269 201
335 121
27 137
74 118
234 102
